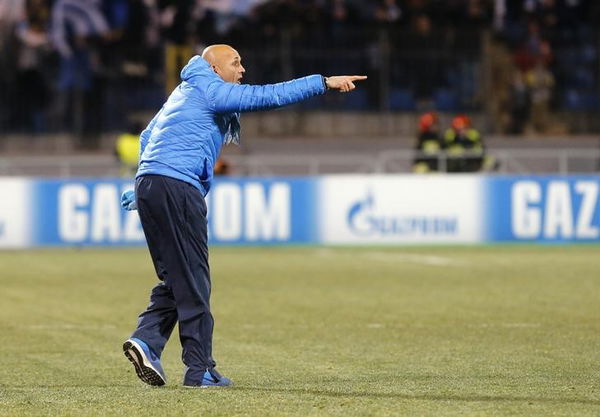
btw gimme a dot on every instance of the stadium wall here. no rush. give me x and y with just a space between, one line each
335 209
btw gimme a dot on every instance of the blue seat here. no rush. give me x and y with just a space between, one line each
312 103
583 77
575 100
402 99
355 100
445 100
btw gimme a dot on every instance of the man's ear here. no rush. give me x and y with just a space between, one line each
214 67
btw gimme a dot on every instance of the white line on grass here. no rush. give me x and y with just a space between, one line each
429 260
505 325
68 326
421 259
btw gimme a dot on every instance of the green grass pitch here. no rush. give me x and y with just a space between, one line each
310 331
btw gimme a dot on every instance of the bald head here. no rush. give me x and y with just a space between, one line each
225 61
214 53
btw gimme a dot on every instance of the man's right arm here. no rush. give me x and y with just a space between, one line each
145 135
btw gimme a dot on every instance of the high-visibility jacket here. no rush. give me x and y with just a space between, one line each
128 149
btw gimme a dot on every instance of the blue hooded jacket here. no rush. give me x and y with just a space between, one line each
184 139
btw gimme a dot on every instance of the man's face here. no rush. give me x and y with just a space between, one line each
229 66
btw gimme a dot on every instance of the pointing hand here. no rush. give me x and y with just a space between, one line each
343 83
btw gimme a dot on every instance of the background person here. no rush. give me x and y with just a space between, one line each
127 149
429 144
464 145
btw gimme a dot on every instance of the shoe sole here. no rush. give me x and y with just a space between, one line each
207 386
144 370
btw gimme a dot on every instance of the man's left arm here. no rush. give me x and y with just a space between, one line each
229 98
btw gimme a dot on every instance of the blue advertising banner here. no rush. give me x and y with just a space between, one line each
240 211
83 212
552 209
262 211
336 209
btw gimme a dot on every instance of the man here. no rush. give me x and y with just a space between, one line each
465 147
429 144
178 152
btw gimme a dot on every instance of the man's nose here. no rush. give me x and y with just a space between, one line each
242 69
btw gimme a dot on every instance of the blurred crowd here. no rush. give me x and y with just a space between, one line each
85 65
554 53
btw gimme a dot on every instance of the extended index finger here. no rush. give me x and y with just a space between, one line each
358 77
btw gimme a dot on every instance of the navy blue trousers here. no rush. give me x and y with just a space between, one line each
173 216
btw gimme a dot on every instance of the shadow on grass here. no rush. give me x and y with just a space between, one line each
431 397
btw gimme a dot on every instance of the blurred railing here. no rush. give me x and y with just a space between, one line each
407 72
508 161
505 161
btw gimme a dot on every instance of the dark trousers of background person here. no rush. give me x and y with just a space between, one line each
173 216
33 96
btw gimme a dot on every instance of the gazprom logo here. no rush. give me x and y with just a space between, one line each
555 210
250 212
365 219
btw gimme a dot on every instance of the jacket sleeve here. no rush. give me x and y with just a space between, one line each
230 98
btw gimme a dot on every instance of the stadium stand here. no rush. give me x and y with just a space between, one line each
75 74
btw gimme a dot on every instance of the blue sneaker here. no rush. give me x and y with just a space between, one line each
146 363
211 378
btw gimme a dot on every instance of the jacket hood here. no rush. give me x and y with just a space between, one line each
196 66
